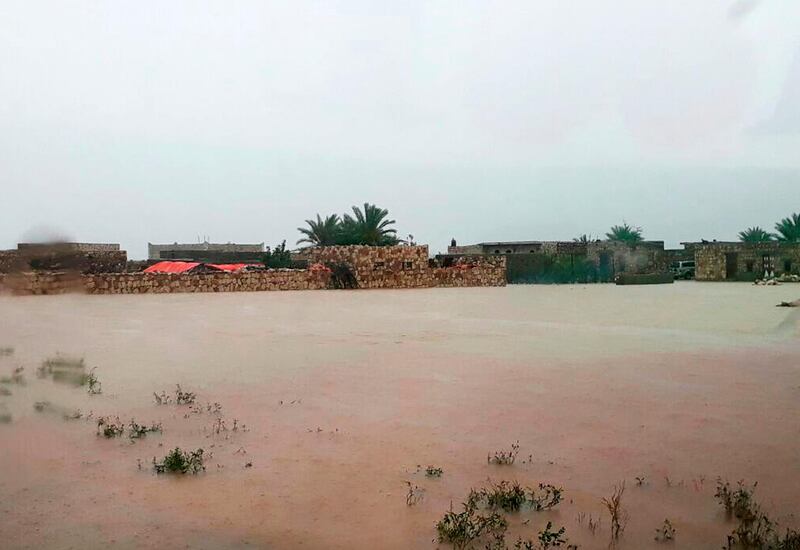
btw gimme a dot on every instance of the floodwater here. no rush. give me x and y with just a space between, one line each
343 394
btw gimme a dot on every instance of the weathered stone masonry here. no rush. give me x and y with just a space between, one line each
384 267
160 283
408 267
720 261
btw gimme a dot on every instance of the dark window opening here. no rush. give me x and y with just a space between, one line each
497 252
749 265
508 251
787 266
408 265
378 265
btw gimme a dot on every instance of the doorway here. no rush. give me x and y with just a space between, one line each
731 265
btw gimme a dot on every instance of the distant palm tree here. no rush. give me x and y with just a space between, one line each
368 226
584 239
789 229
754 235
625 233
321 232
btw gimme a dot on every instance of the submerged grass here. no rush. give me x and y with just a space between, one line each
178 461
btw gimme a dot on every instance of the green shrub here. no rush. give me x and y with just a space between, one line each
179 461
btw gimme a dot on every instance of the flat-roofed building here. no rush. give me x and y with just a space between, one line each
206 251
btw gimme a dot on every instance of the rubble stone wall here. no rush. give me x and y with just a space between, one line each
373 267
83 257
254 281
152 283
484 272
7 260
748 261
639 258
408 267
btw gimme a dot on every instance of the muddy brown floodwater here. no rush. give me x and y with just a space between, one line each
343 394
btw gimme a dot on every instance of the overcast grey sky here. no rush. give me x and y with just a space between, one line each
160 121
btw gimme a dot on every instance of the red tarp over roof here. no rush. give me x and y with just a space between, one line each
228 267
171 267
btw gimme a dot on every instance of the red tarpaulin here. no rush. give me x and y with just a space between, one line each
171 267
228 267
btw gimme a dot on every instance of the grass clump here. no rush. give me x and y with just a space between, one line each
463 528
181 397
433 472
93 385
755 530
547 538
110 428
17 377
512 497
137 431
509 497
64 412
414 495
504 458
737 503
666 532
182 462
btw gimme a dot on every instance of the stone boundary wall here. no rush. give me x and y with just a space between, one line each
408 266
8 259
638 258
751 260
253 281
377 266
161 283
483 272
373 267
77 247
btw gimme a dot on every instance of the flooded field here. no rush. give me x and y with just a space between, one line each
314 410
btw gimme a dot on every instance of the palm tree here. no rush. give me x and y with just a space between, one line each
368 226
584 239
789 229
754 235
321 232
625 233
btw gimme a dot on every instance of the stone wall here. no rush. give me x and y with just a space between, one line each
42 283
8 259
639 258
373 267
740 261
482 272
80 257
160 283
572 261
377 266
408 267
77 247
252 281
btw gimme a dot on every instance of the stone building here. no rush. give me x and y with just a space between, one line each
206 252
69 256
571 261
737 261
